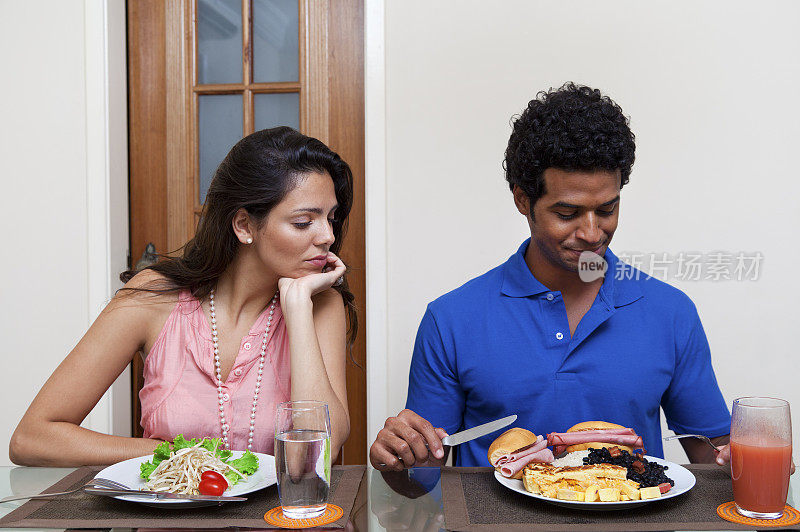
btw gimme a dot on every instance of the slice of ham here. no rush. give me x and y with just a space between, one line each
509 469
537 446
558 450
611 436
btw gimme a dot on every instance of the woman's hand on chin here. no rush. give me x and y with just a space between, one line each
303 288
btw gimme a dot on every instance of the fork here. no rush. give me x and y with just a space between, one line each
102 482
700 436
107 483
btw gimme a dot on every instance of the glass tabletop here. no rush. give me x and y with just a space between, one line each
410 500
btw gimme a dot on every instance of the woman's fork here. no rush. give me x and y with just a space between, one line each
700 436
107 483
100 482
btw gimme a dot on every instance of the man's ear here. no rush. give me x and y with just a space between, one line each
522 201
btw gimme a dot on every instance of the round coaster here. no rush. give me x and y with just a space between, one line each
331 514
728 512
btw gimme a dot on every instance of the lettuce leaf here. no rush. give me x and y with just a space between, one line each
215 446
247 464
161 453
181 443
146 469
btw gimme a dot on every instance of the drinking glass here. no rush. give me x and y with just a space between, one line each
761 456
303 457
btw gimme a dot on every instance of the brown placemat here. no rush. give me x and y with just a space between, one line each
82 510
475 501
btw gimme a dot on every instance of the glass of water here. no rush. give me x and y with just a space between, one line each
303 457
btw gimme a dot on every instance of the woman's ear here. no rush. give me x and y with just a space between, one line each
522 201
243 226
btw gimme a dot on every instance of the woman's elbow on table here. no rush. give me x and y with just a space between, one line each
21 448
338 441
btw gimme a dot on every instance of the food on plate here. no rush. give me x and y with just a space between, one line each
574 458
195 467
639 469
594 434
569 495
548 473
598 462
212 483
509 441
651 492
590 483
608 475
516 448
609 495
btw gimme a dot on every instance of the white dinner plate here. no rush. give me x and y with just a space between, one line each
127 472
684 481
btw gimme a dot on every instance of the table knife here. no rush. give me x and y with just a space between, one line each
476 432
162 495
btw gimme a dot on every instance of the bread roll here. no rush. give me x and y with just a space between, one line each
508 442
595 425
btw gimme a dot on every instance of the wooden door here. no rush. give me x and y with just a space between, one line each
170 160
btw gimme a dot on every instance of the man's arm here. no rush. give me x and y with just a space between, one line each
693 403
408 440
699 452
434 393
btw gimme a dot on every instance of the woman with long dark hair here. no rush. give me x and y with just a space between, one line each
254 313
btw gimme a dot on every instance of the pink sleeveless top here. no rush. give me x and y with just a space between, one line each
180 391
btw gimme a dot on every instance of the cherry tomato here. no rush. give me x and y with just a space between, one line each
213 475
211 487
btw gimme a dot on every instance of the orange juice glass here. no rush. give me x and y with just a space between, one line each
761 456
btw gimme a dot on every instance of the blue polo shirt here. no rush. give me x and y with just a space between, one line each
500 345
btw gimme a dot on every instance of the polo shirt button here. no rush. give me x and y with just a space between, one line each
559 336
247 346
237 372
550 297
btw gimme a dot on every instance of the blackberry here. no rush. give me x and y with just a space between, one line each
653 474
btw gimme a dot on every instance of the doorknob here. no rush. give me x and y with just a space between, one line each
149 257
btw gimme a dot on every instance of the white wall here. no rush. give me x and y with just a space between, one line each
711 88
64 210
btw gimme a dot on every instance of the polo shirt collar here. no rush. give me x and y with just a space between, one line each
518 281
617 290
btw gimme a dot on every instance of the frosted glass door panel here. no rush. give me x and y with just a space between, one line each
276 42
219 41
219 128
282 109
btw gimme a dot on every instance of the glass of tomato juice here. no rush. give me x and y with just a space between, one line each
761 456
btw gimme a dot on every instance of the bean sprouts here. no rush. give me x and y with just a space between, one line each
180 473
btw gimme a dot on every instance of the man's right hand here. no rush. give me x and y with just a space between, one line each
401 443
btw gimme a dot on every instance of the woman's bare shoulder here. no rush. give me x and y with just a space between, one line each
149 291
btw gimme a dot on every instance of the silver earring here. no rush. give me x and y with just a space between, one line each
249 240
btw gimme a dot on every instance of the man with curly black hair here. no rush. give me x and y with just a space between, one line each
544 335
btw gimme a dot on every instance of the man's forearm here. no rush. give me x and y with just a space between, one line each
700 452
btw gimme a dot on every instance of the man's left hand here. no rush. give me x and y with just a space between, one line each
724 457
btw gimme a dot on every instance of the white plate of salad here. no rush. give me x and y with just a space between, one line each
258 468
